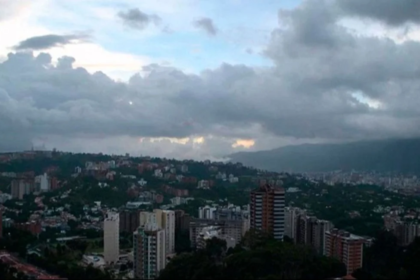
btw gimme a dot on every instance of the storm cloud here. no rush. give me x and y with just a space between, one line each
326 84
391 12
206 24
136 19
49 41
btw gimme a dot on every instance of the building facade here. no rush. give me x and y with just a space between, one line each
129 220
166 221
267 210
111 237
149 251
346 247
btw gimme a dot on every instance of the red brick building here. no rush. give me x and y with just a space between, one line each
267 210
34 227
345 247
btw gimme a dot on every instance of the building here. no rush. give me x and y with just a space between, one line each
166 220
33 226
21 187
149 251
42 183
206 212
182 221
291 217
232 228
208 233
346 247
129 220
111 237
267 210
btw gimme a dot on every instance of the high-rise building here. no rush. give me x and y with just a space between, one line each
111 237
20 187
149 251
267 210
166 220
129 220
291 218
43 182
346 247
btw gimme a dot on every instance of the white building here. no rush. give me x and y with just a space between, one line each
207 233
203 184
111 237
206 212
43 182
149 251
158 173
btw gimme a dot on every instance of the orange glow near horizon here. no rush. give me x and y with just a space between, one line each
246 143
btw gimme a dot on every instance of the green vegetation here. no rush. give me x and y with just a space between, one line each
263 258
386 260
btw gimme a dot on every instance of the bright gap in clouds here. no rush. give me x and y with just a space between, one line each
372 103
245 143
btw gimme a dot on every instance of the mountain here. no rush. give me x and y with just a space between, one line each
399 156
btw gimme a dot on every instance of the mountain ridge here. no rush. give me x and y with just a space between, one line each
388 155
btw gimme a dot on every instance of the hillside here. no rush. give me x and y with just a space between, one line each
399 156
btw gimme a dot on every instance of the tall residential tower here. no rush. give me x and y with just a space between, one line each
149 251
111 237
267 210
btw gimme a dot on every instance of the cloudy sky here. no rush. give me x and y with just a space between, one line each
202 79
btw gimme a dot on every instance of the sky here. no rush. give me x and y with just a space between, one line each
203 79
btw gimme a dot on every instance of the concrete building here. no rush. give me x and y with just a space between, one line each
129 220
267 210
346 247
42 182
232 228
166 221
149 251
206 212
21 187
210 232
291 217
111 237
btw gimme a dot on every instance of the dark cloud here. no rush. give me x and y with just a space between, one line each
206 25
317 89
136 19
49 41
391 12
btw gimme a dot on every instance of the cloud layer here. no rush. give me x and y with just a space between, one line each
49 41
326 84
206 24
136 19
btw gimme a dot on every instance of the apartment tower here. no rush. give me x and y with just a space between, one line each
111 237
346 247
149 251
166 220
267 210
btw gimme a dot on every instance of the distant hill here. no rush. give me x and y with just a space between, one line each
399 156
